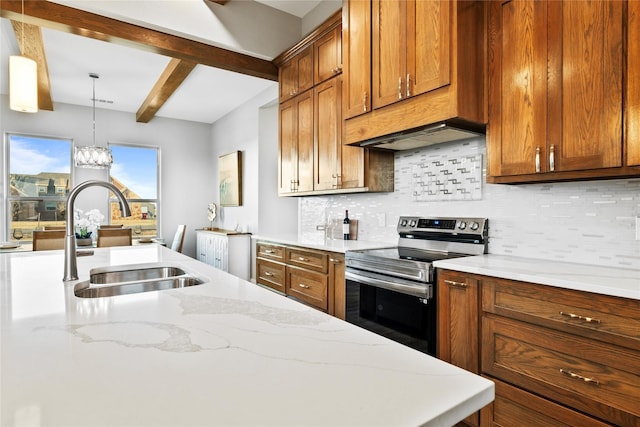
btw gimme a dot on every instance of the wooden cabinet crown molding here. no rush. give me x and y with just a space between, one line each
329 24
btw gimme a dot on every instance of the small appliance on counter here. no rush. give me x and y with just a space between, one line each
391 291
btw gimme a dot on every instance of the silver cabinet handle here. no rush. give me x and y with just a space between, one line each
268 251
538 159
579 377
408 85
337 261
364 101
456 284
399 87
552 159
579 317
302 259
268 274
303 286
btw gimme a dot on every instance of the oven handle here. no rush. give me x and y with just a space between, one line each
418 291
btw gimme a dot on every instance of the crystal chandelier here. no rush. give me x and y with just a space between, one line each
23 80
93 156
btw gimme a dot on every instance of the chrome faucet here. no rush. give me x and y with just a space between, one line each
70 260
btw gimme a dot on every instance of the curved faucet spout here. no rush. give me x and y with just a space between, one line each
70 259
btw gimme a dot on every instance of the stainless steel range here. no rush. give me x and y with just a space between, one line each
391 291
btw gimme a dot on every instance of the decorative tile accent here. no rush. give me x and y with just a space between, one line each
456 178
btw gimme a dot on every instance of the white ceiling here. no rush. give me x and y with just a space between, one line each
127 75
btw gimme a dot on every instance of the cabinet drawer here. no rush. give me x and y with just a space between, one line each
515 407
591 377
270 250
271 274
308 286
312 260
600 317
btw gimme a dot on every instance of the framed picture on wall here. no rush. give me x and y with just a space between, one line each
230 179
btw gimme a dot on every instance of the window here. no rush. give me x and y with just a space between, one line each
135 171
39 178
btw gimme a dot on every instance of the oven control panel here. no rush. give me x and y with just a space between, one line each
411 224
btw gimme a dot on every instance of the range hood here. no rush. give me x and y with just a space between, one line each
436 133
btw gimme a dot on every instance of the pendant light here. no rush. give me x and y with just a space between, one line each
23 80
93 156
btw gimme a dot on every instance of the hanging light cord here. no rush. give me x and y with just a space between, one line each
22 49
94 76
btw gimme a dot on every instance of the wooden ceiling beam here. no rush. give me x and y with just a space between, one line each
170 79
32 46
52 15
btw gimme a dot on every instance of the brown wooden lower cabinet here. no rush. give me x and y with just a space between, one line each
313 277
515 407
559 357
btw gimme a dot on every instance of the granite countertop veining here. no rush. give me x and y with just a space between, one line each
226 352
589 278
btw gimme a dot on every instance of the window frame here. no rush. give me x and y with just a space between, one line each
157 200
8 199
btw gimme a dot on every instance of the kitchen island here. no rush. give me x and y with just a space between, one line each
226 352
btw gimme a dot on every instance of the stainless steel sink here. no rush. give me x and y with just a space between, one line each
109 275
131 279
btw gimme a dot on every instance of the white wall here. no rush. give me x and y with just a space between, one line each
319 14
254 132
586 222
188 181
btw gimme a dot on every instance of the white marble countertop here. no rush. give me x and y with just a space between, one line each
331 245
589 278
226 352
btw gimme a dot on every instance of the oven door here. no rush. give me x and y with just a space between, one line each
398 309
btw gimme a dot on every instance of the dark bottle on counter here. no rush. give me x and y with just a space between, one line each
345 225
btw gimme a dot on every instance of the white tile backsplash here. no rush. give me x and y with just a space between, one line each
589 222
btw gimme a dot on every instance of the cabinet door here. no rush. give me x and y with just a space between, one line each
389 51
296 75
288 157
428 46
201 247
356 45
633 85
305 142
337 286
458 330
517 131
328 134
328 55
296 144
585 85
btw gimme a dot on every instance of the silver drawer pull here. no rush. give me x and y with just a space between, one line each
580 377
268 274
303 286
577 316
300 258
337 261
457 284
268 251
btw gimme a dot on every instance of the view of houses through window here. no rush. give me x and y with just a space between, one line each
39 179
135 172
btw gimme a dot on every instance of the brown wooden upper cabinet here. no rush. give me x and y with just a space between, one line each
312 158
296 74
556 78
411 63
328 55
409 57
295 171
